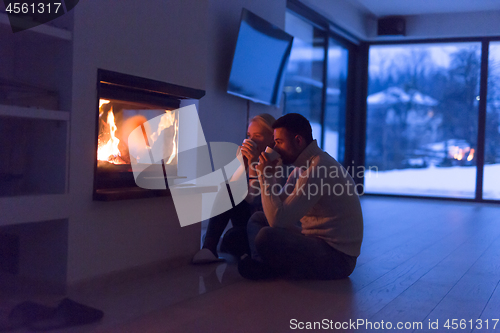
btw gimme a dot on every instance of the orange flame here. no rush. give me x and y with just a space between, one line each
108 151
110 148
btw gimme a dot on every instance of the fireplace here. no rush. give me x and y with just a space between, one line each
124 103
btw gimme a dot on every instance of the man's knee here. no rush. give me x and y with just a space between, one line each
256 222
258 218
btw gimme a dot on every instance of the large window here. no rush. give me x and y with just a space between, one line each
304 75
491 183
317 61
432 108
336 95
422 119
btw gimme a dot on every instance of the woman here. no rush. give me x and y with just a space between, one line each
259 136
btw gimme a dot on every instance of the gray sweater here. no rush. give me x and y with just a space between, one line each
320 194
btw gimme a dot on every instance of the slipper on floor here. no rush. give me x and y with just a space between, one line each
25 314
205 256
67 314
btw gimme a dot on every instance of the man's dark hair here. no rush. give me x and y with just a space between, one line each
295 124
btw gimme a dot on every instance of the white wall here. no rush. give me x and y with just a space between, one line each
450 25
347 15
363 24
476 24
163 40
184 42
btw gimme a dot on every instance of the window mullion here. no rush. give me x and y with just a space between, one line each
481 131
325 87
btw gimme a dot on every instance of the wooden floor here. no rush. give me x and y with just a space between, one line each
422 261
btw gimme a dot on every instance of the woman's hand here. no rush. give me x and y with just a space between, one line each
250 151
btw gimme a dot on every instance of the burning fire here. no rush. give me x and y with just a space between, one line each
101 103
108 150
112 150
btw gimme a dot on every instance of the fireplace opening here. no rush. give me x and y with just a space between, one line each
125 103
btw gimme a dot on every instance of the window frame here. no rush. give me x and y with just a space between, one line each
483 92
357 92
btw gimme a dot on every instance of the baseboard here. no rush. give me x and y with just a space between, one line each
11 285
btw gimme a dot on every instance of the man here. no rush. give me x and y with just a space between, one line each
313 227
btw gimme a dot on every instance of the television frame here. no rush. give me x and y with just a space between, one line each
269 29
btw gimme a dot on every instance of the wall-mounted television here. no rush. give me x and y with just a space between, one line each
259 62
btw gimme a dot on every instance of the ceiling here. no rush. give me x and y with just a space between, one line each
417 7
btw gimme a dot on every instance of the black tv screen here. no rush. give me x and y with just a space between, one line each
259 62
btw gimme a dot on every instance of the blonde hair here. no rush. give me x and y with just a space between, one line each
266 120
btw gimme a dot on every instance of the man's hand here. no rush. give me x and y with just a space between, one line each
265 166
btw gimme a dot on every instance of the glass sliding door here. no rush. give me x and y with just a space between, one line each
303 86
307 72
491 181
336 95
422 113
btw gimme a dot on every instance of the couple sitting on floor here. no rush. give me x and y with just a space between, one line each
310 226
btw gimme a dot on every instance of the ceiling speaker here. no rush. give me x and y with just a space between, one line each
394 25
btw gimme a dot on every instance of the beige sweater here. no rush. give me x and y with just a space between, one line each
320 194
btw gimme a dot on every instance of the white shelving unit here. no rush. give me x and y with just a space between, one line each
35 208
34 127
35 111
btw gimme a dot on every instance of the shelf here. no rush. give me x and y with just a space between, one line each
43 29
33 208
23 112
35 256
33 154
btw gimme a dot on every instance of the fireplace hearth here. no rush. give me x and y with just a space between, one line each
124 103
